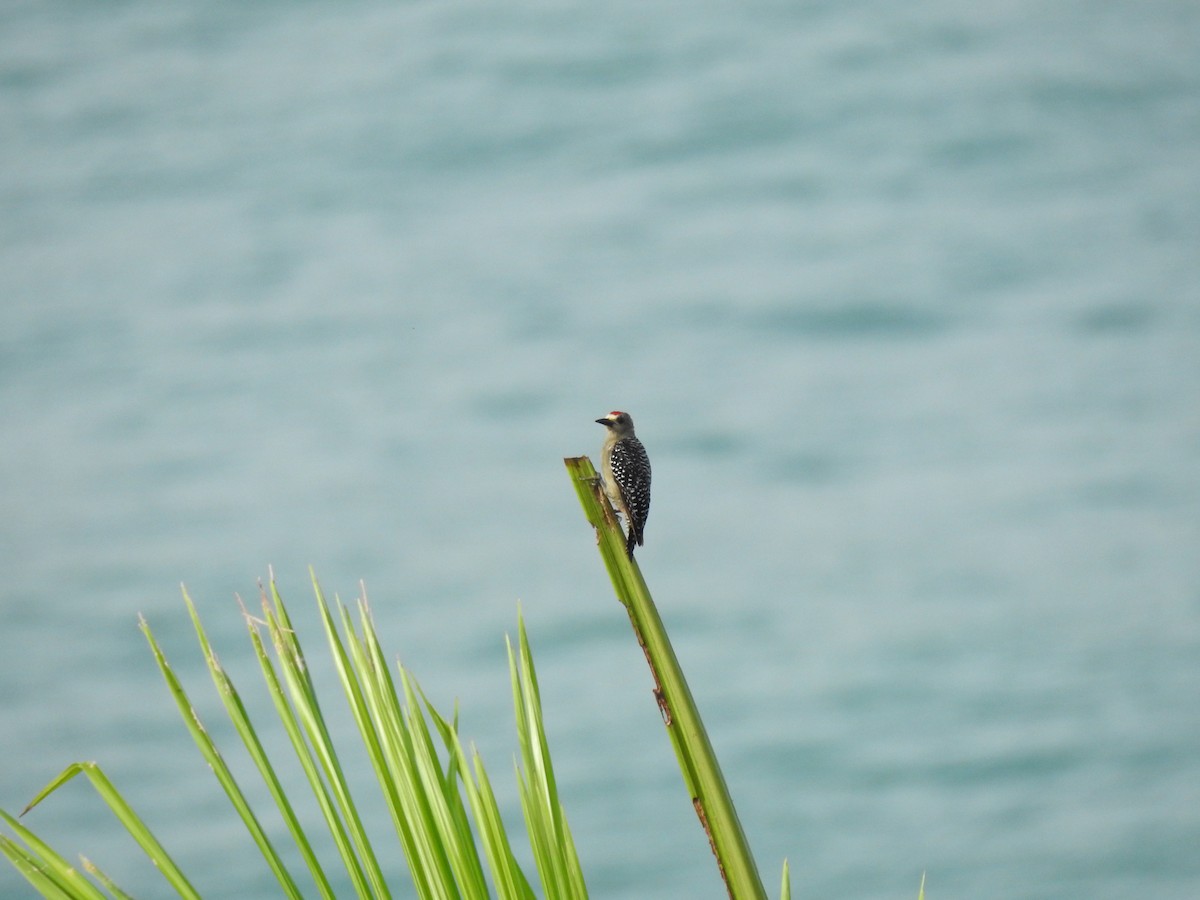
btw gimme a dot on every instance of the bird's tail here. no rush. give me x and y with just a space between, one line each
635 537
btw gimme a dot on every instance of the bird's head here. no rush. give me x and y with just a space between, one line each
620 422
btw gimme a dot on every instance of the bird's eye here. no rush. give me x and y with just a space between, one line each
621 418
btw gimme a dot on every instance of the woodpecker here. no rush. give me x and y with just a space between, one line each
625 470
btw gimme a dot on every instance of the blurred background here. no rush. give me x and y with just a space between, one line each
905 300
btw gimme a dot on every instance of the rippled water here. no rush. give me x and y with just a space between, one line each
905 302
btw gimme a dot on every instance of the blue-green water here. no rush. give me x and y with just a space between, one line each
905 300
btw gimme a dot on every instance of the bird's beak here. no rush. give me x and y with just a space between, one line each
607 423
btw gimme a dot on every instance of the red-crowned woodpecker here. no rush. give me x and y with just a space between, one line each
625 469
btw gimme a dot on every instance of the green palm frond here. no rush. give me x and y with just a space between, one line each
436 791
453 847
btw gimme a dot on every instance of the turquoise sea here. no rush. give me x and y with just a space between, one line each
905 300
